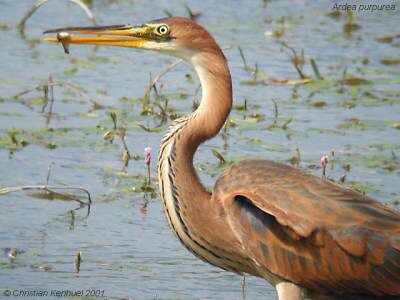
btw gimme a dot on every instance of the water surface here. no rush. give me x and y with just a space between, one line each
127 247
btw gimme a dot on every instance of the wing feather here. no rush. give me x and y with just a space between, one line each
310 231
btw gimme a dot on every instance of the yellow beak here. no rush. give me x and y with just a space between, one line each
116 35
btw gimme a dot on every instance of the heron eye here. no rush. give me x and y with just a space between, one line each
162 29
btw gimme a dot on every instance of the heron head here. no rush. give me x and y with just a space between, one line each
177 36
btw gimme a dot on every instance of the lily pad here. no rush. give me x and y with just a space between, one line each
396 125
318 103
71 71
355 123
386 163
354 81
390 61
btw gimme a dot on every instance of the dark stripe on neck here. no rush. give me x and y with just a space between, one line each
177 207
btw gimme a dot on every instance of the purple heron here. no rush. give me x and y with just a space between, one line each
306 236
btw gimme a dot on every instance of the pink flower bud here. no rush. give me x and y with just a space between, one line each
147 155
324 161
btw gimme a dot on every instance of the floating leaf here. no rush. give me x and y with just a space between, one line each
375 161
51 145
250 82
347 104
350 26
390 62
83 63
319 103
355 123
71 71
149 129
396 125
354 81
42 266
335 14
101 59
387 39
88 114
290 81
391 167
4 26
179 96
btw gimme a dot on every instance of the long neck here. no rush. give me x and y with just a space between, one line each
188 133
210 116
182 192
216 102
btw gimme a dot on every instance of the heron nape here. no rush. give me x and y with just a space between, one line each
305 235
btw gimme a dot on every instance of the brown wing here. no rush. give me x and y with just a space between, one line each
310 231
